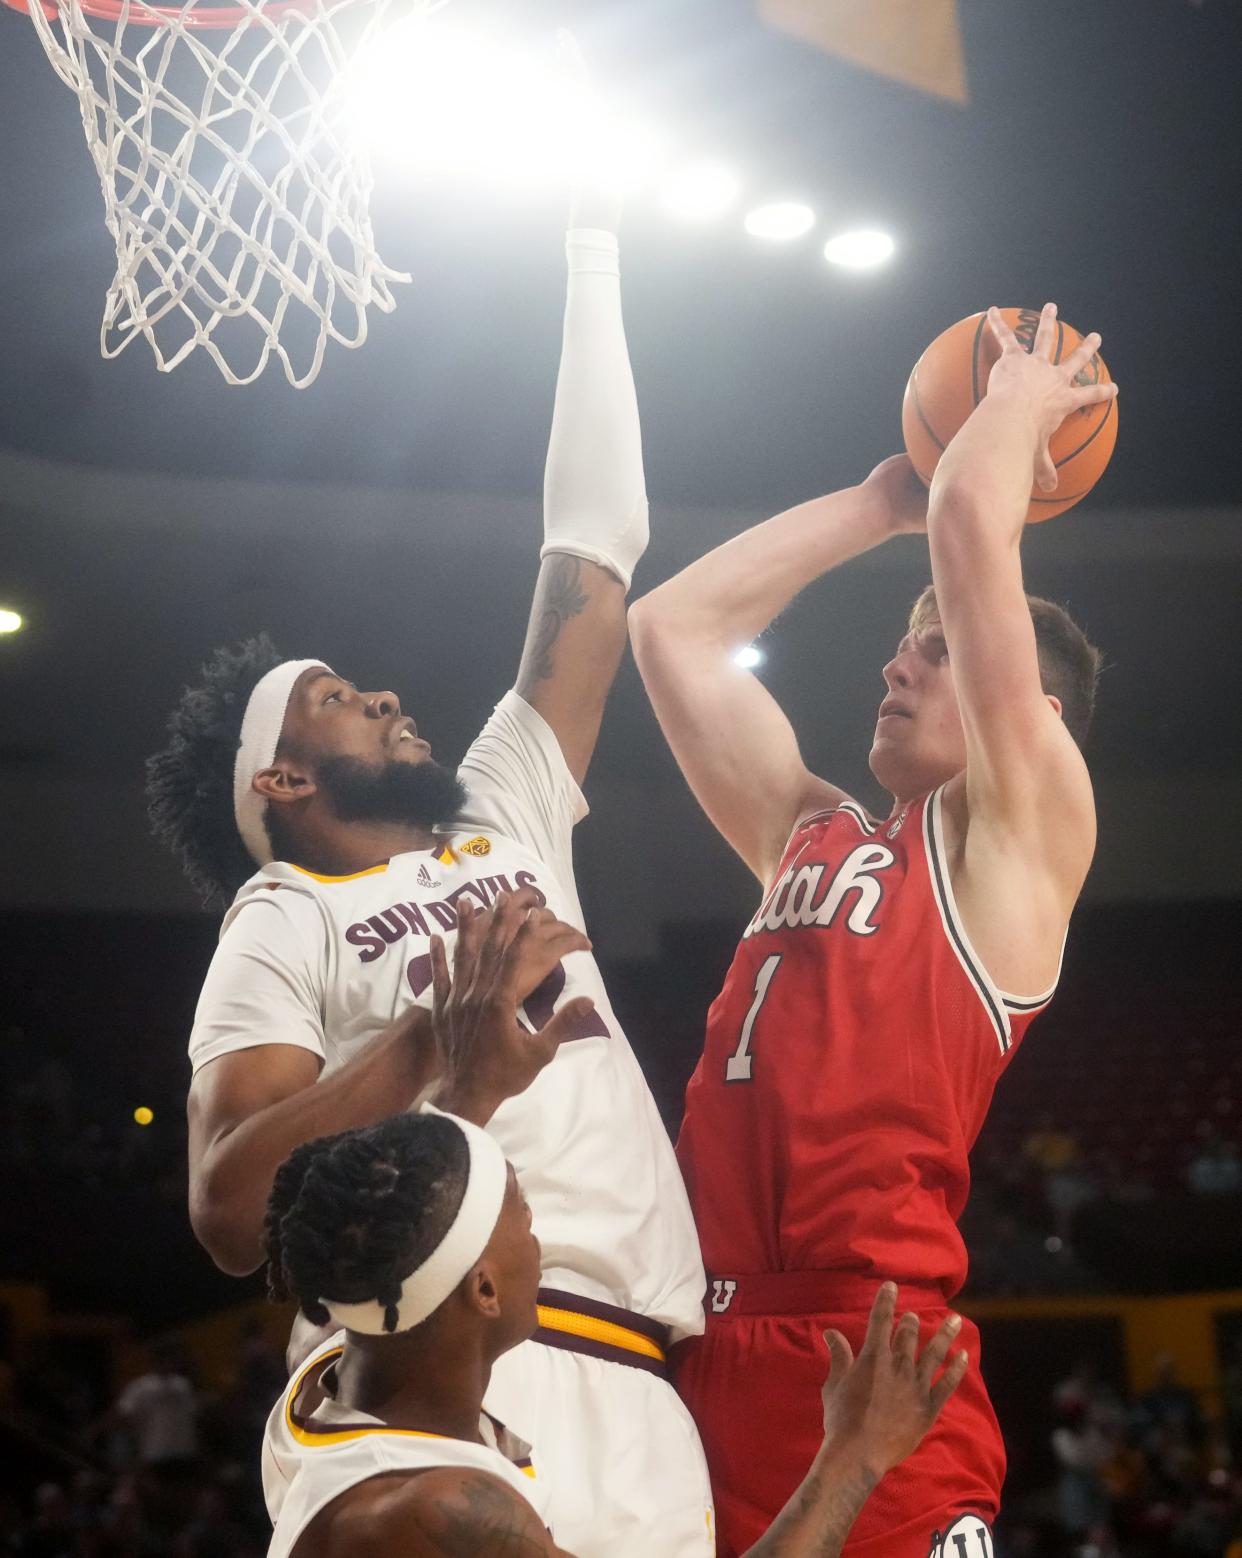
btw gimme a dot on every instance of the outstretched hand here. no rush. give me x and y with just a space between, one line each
1051 390
880 1404
502 955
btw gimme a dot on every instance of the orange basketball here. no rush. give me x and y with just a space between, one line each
950 379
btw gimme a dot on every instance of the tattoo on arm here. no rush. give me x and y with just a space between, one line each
818 1515
480 1516
560 598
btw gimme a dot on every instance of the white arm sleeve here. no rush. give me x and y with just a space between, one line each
265 983
518 783
594 491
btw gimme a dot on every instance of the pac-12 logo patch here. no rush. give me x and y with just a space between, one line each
479 846
967 1537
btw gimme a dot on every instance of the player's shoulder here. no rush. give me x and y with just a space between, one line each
438 1512
278 894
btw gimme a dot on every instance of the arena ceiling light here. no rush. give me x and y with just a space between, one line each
701 192
11 621
447 102
748 657
780 221
860 250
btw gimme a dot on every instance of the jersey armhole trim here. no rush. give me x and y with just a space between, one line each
990 997
1024 1004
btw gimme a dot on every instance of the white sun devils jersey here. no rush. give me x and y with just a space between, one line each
314 1450
326 963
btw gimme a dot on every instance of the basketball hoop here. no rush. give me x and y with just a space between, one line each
236 184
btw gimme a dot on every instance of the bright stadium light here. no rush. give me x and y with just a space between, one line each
859 250
448 102
701 192
748 658
781 221
11 621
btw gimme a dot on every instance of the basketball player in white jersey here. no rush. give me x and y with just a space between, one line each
358 849
417 1231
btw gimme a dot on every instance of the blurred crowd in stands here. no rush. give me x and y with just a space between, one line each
163 1471
1151 1477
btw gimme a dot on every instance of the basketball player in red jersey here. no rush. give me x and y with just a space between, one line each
892 966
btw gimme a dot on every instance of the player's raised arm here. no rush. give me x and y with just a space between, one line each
595 500
1028 793
732 741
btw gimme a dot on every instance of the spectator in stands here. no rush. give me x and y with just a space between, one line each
1081 1450
161 1409
1068 1190
1169 1411
51 1533
1086 1386
1216 1169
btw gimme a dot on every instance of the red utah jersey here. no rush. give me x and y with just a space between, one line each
849 1063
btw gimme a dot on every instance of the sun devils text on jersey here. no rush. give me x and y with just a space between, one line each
849 1063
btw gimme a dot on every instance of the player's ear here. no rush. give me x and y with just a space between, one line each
284 782
1056 704
482 1291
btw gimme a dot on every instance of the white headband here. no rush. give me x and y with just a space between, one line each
426 1288
256 750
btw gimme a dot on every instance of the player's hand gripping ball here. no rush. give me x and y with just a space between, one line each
951 378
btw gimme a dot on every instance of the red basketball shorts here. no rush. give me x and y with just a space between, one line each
754 1384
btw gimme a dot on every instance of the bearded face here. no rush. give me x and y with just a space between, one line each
421 795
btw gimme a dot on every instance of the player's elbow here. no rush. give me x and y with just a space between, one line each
648 627
225 1228
644 616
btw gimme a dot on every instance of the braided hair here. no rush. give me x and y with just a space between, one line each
350 1216
190 782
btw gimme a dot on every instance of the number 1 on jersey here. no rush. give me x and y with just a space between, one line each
739 1063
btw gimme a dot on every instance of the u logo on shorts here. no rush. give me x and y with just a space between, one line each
967 1537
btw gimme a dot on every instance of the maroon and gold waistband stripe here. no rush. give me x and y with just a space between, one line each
596 1330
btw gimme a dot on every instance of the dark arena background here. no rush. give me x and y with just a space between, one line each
388 519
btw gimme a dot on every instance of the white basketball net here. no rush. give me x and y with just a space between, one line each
235 181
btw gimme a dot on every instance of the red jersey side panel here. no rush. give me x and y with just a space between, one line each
849 1063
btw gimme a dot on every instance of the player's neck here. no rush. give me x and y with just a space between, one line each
902 803
914 789
347 848
417 1384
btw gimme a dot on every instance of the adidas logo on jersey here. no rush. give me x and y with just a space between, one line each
425 878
